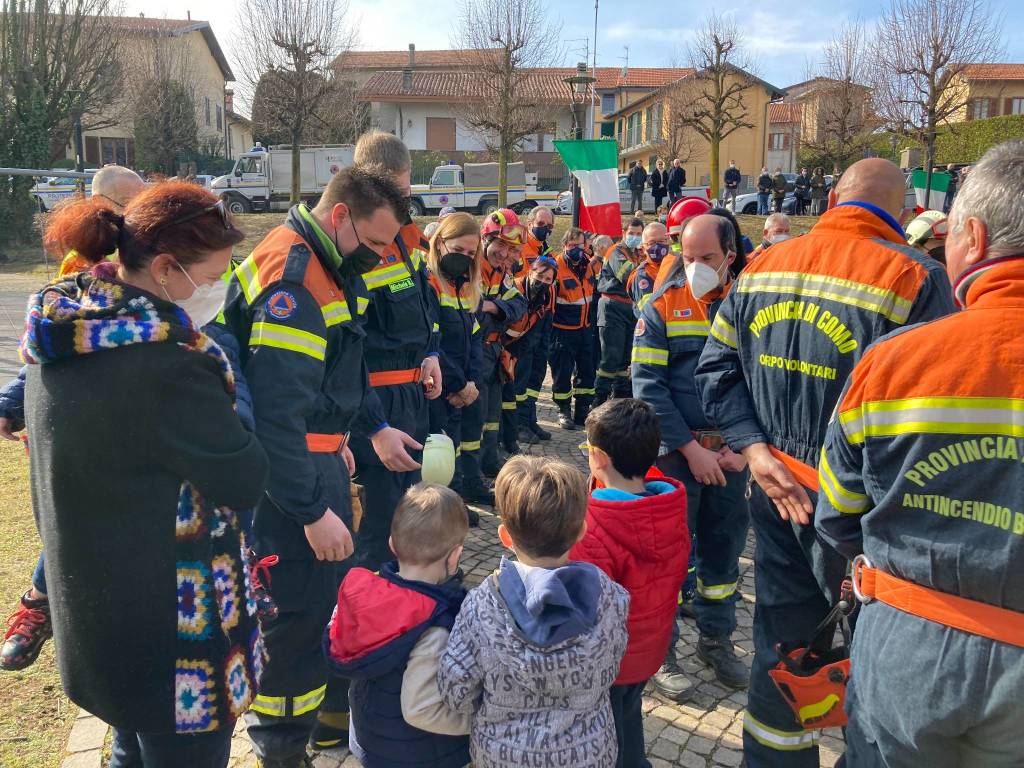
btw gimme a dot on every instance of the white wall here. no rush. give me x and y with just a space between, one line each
408 120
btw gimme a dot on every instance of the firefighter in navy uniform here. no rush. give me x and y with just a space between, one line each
615 316
540 221
572 348
781 346
522 337
501 305
673 328
295 307
922 481
400 350
655 246
454 261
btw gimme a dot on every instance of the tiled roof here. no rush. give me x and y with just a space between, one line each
994 72
784 112
397 59
545 86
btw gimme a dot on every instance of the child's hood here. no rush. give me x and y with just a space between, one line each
642 525
550 606
380 617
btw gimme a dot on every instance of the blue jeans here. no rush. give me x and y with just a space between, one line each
170 750
762 203
39 575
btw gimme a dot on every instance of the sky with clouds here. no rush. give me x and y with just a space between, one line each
783 45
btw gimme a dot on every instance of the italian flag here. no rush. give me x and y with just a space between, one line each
937 198
593 163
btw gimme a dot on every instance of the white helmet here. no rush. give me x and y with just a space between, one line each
438 459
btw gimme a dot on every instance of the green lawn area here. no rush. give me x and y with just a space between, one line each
36 716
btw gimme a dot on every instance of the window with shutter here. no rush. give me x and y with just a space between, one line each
1016 107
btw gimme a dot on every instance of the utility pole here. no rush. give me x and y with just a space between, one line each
593 74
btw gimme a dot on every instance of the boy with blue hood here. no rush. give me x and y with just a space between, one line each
537 645
390 628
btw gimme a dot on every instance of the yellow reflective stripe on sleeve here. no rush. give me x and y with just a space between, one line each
469 445
773 738
308 702
382 276
724 332
849 502
650 355
869 297
643 300
417 257
687 328
935 415
436 328
336 312
361 304
476 326
623 271
249 279
511 293
293 339
715 591
274 706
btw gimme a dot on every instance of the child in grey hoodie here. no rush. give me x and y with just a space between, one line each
537 645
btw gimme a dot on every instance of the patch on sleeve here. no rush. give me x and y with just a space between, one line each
281 305
644 283
641 326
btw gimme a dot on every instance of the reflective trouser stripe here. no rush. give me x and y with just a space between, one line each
773 738
509 406
584 391
533 393
277 706
562 395
715 591
521 398
471 445
490 426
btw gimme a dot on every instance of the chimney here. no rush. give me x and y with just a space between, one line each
406 80
229 100
412 55
188 15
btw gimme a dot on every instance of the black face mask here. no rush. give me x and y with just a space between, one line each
456 266
359 261
408 208
537 292
575 254
541 233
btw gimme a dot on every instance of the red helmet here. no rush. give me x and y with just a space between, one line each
684 209
504 223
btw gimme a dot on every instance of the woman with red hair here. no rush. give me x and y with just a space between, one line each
153 610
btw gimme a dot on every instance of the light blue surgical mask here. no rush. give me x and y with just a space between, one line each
632 241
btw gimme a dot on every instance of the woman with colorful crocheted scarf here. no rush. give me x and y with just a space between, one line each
138 460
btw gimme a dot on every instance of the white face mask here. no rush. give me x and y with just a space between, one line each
780 237
206 301
702 279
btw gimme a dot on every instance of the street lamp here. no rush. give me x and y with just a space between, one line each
579 84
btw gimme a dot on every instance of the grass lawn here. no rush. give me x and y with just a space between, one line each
36 716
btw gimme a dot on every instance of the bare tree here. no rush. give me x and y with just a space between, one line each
161 77
920 51
58 62
840 124
286 49
340 118
508 38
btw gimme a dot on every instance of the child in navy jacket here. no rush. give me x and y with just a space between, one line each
389 630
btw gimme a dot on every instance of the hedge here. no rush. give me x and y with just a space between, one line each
963 143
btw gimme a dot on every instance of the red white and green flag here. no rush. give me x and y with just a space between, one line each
937 198
594 164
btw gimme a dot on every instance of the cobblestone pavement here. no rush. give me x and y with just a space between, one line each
703 733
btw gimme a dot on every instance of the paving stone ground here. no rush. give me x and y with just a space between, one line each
705 732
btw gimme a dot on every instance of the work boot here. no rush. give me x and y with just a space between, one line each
28 630
718 653
478 494
259 571
670 682
686 606
491 465
539 431
511 447
330 731
299 761
474 517
565 419
582 409
527 436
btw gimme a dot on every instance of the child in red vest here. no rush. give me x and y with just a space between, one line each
637 534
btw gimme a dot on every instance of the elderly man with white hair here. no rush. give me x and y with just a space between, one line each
776 229
923 486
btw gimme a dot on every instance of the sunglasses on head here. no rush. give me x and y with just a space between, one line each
513 234
219 207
